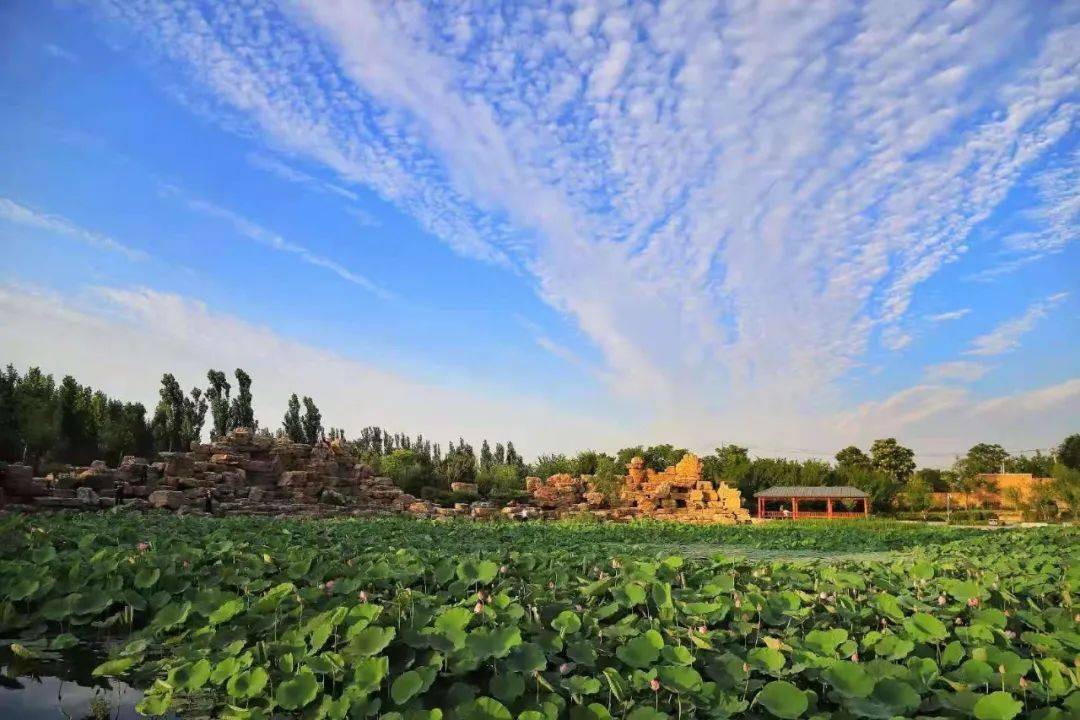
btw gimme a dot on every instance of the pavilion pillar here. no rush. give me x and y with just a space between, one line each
761 507
866 507
828 507
794 508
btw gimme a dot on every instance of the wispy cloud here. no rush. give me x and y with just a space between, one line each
287 172
962 370
271 239
60 53
950 315
19 214
649 165
1006 336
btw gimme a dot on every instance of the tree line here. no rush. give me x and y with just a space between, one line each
43 421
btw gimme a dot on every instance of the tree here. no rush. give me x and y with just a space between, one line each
311 422
1068 453
459 465
35 398
500 454
893 459
852 457
552 464
194 418
608 478
499 479
985 458
1039 465
487 458
11 445
291 424
512 457
587 461
729 464
405 469
218 395
169 414
933 478
880 485
917 494
76 436
1065 487
241 414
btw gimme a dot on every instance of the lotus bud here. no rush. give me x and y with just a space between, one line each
702 629
478 608
655 685
1010 634
973 602
746 667
564 668
329 585
143 546
855 657
503 569
363 596
941 600
1023 682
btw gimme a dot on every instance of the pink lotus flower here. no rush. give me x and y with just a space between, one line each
655 685
973 602
941 600
702 629
854 657
143 546
478 608
329 585
503 570
363 596
564 668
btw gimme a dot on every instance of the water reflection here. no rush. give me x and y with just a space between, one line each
60 686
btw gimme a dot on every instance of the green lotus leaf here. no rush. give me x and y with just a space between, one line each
678 655
997 706
783 699
567 622
825 642
486 708
405 687
485 643
581 685
767 659
64 641
849 679
113 668
479 572
226 611
925 628
679 678
23 588
370 641
641 651
369 672
191 676
644 712
147 577
172 615
630 594
526 658
507 687
299 690
592 711
247 684
224 670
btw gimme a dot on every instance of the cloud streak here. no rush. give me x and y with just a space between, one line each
274 241
18 214
1006 336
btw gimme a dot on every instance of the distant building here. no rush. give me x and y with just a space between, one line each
997 490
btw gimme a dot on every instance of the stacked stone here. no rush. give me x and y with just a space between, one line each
679 493
243 472
558 492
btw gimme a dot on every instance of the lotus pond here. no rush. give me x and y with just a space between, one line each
403 619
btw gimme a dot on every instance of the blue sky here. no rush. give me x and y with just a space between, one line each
590 224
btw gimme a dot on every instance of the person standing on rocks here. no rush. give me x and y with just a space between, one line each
209 501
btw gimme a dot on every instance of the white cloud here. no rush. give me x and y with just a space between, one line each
731 203
60 53
1006 336
950 315
288 172
18 214
161 332
963 370
270 239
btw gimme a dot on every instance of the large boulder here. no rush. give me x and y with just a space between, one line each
178 464
167 499
19 481
87 495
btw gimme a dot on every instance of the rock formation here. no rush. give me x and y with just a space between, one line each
679 493
242 473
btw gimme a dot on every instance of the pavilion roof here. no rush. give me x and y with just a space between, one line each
812 491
